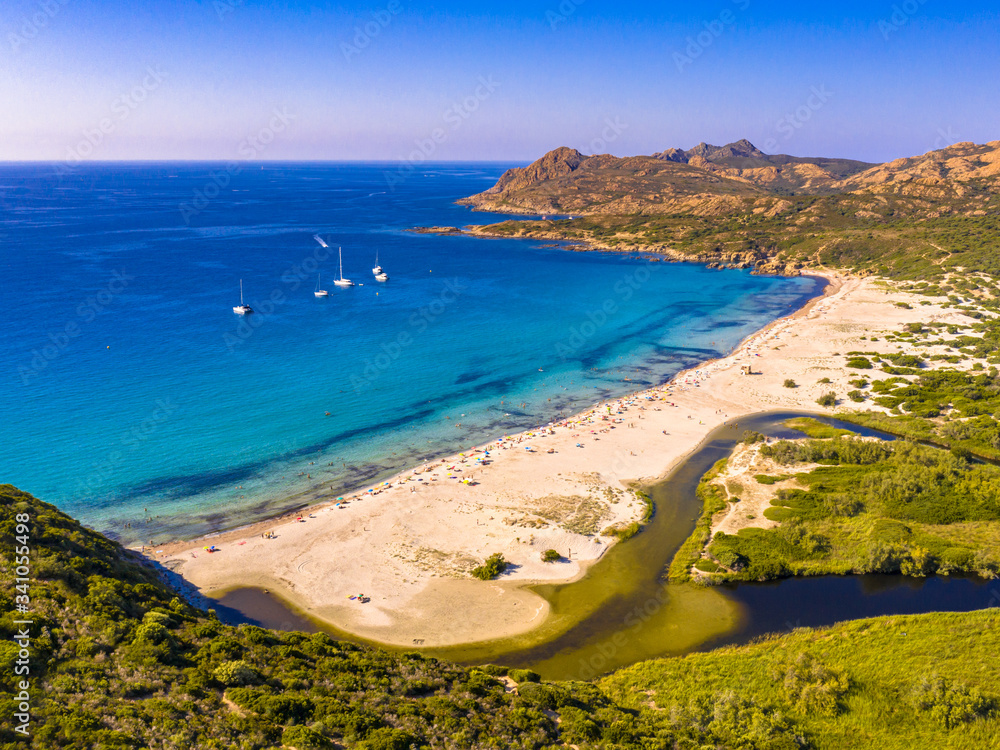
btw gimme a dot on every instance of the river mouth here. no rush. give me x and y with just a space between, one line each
623 611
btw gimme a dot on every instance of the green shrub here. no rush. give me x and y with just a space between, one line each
856 396
387 738
827 399
150 632
303 738
765 479
859 363
495 565
550 555
235 673
951 704
789 383
812 687
524 675
622 533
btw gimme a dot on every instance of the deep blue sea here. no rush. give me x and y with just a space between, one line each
131 391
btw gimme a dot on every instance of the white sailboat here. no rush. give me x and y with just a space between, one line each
242 309
380 275
319 291
342 281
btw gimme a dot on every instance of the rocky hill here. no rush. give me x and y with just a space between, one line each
712 180
565 181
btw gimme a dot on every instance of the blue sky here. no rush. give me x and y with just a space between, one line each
228 79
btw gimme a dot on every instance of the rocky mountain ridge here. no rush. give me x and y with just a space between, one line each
716 180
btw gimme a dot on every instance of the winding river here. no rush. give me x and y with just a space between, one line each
623 610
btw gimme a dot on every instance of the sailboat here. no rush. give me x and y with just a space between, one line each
320 292
380 275
341 281
242 309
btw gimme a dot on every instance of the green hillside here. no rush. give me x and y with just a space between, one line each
118 661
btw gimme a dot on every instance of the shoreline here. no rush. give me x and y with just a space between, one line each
166 553
409 552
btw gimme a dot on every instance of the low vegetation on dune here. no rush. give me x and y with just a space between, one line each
871 507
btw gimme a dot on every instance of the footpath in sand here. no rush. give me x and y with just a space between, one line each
408 545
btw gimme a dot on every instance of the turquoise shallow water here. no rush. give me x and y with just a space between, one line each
130 391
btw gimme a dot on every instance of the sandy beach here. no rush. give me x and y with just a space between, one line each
403 550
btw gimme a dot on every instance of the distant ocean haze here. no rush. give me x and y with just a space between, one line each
135 399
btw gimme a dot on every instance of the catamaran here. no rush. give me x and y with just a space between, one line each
242 309
319 291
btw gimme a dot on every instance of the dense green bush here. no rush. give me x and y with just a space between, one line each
234 673
495 565
951 704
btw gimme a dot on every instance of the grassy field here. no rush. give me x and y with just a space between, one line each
894 683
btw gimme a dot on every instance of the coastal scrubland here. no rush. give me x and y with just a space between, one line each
119 661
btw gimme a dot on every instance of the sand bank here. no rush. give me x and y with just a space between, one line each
408 545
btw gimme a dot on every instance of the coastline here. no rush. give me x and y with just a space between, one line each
409 550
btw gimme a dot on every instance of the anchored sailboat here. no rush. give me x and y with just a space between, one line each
242 309
341 281
320 292
380 275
